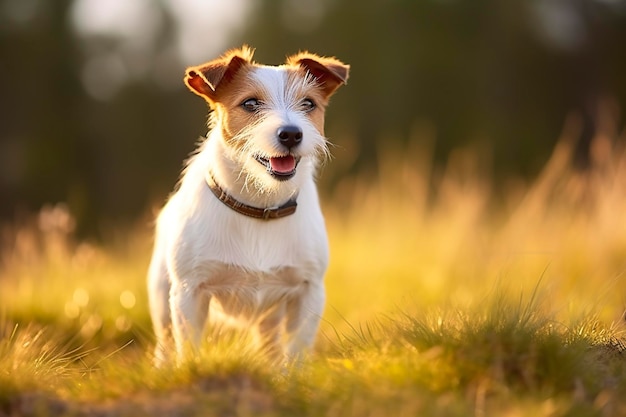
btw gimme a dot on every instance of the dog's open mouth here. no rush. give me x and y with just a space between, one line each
280 167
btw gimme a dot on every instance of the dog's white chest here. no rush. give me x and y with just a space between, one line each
249 265
215 233
238 293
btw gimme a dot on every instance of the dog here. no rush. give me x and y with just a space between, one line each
243 237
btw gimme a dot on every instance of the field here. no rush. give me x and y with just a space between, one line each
444 299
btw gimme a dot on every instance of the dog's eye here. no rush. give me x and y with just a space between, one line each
251 105
307 105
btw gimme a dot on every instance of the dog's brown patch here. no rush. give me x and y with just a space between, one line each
329 72
206 79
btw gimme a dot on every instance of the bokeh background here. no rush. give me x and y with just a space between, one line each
94 114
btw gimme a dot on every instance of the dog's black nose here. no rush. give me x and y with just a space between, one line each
290 135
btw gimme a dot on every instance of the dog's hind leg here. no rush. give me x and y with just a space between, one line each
159 294
303 317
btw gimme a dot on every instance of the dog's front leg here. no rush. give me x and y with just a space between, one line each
269 328
303 317
189 307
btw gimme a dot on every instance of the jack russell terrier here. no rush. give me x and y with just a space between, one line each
243 236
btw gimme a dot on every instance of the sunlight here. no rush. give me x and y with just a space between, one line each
206 26
132 20
137 49
127 299
203 26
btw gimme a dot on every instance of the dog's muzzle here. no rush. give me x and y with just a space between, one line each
283 167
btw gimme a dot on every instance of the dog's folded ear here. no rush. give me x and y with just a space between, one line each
329 72
204 80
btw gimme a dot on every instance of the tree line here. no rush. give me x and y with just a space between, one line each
498 74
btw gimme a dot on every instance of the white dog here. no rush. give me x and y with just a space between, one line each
243 236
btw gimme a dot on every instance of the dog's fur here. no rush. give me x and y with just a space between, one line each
208 257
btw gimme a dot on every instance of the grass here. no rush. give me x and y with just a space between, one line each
442 300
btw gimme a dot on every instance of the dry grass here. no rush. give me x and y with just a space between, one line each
442 300
412 245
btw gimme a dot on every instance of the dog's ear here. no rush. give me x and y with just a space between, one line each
204 80
329 72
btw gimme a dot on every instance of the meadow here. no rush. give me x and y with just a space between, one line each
445 298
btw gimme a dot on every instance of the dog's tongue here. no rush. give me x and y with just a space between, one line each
283 164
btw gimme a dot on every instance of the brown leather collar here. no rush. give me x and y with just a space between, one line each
258 213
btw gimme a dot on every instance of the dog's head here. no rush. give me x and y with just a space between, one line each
270 118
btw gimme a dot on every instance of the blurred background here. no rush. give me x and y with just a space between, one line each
94 114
